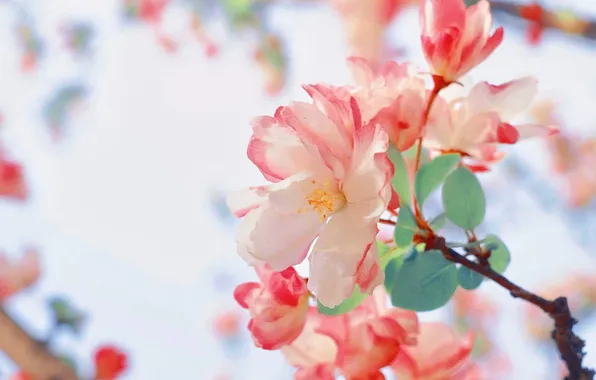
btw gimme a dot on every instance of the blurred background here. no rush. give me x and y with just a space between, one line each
124 123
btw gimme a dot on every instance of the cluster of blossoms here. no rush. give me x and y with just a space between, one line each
331 181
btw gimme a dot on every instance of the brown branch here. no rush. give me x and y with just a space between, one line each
550 19
31 356
570 346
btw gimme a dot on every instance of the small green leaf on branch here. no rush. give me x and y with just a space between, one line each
463 199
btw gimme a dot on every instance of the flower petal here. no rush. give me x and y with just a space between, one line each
240 202
311 348
341 251
278 151
282 229
438 353
369 176
507 99
307 119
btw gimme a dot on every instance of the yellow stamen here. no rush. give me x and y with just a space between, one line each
325 201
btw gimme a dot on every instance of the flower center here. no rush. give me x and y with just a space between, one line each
325 200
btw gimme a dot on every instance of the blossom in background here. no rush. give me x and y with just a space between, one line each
440 354
78 36
227 325
278 305
455 39
20 274
110 362
30 42
331 180
534 14
12 180
196 25
272 62
365 23
475 124
473 311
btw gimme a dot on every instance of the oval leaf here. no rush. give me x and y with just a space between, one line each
405 227
438 222
400 180
423 282
345 307
432 174
392 268
463 199
499 255
469 279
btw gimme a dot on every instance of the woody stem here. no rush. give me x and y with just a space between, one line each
570 346
31 356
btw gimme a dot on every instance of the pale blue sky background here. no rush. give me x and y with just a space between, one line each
121 208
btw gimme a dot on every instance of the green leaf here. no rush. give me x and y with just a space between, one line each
400 181
405 227
499 256
411 154
383 248
65 314
438 222
393 266
345 307
387 253
463 199
432 174
424 282
468 279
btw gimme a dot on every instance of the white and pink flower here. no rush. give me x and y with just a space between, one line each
475 124
331 180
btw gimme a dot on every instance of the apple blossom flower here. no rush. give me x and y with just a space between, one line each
359 343
332 180
278 306
17 275
475 125
440 354
455 39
